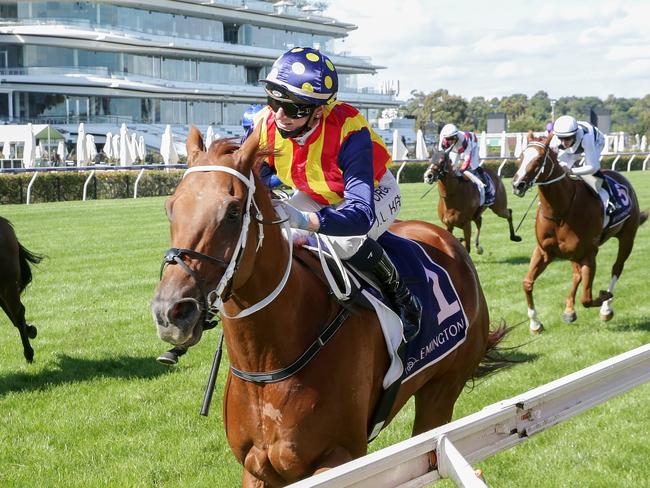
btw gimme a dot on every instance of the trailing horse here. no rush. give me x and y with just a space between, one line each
570 225
287 418
15 275
459 202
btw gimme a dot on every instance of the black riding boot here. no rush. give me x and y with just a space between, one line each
611 206
372 258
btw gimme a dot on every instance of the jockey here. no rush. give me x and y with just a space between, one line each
326 150
463 148
574 139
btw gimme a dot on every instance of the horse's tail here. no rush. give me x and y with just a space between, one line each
25 257
643 216
495 357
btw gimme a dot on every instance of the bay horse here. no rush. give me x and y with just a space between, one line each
274 303
569 225
15 275
459 204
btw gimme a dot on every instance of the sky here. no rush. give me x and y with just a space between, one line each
499 48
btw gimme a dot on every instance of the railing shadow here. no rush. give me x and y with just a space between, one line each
68 369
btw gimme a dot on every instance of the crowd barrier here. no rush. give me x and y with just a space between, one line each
449 451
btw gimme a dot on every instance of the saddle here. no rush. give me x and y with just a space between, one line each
444 323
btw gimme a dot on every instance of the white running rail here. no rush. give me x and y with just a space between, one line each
449 451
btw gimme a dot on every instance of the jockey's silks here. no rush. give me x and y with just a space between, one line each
314 167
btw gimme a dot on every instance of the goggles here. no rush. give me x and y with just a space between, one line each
291 110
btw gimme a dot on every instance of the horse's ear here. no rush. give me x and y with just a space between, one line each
531 136
548 138
249 149
194 145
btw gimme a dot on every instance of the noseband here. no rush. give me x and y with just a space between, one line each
214 300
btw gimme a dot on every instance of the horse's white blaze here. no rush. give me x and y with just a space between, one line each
272 413
528 156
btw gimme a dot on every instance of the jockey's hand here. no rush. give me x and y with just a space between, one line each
299 219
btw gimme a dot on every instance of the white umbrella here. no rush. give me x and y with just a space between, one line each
108 145
133 146
39 152
6 150
91 148
125 153
116 146
482 148
621 143
167 149
505 150
81 145
421 151
60 150
399 148
29 150
644 143
209 137
141 149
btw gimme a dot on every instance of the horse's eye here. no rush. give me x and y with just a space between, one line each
233 212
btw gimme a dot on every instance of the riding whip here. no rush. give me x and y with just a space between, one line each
209 389
526 212
427 192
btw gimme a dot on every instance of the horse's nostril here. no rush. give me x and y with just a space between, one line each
183 311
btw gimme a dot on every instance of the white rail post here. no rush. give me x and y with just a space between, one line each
92 173
29 187
452 465
501 167
137 180
399 171
618 156
629 163
645 161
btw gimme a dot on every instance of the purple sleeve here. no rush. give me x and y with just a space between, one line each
357 215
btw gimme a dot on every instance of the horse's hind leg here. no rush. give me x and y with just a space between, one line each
569 314
434 403
15 310
588 271
467 236
625 245
500 208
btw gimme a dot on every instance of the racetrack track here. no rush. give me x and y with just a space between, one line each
95 409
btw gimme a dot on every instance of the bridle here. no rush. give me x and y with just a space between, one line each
542 168
441 168
213 301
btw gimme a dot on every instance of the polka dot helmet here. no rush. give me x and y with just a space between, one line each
302 75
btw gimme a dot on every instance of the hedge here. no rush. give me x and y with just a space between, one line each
63 186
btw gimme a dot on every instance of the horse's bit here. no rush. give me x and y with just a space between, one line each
214 300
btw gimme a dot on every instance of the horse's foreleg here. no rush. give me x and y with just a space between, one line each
478 220
467 236
513 237
335 457
588 271
538 263
569 314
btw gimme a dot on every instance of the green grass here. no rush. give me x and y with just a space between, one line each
95 409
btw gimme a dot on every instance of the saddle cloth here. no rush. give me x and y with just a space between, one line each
620 195
444 323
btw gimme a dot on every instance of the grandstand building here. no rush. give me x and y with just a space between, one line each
159 62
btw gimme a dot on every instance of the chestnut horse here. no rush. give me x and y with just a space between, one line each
227 238
459 202
569 225
15 275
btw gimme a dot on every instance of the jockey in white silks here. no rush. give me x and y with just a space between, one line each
463 152
576 140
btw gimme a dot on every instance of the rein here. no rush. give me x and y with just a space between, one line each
214 300
541 169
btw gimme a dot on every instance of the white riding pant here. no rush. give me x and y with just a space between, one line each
388 202
479 184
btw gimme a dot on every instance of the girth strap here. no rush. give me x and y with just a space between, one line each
302 361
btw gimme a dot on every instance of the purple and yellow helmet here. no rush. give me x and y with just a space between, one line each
302 75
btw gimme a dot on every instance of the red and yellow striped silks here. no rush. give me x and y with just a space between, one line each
313 168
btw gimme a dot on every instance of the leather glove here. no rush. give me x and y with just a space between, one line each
297 218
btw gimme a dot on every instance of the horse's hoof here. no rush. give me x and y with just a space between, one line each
515 238
31 331
569 317
538 330
479 250
607 317
29 356
168 358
